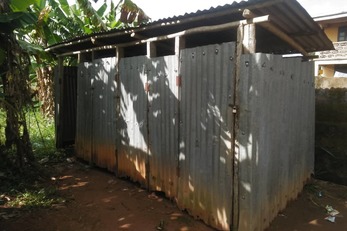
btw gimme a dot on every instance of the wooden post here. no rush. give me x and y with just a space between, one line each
180 43
81 57
249 41
93 55
235 200
249 38
151 50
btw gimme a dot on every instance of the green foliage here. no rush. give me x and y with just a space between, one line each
20 5
131 14
43 197
14 20
28 190
26 28
42 135
31 48
41 130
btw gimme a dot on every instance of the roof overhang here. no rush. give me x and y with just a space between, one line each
295 30
336 18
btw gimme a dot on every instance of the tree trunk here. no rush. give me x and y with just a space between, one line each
45 91
17 99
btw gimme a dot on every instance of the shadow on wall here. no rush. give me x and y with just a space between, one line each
275 135
181 147
179 140
95 130
139 77
331 130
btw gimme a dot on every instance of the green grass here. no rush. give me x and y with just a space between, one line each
44 197
31 187
41 132
42 135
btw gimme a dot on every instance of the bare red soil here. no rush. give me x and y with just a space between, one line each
97 200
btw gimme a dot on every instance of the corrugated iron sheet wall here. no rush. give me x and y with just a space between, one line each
133 150
96 130
83 141
68 105
65 93
57 102
104 113
163 124
149 128
192 160
206 130
275 136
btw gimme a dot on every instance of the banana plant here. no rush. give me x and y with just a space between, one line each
131 14
14 73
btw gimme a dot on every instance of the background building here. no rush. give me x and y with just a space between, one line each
333 63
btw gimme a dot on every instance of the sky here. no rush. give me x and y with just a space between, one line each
157 9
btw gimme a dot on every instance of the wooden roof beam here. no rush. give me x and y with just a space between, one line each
272 28
203 29
249 15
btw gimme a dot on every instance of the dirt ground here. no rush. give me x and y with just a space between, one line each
97 200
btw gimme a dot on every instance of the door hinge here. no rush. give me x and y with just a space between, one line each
235 108
147 87
178 81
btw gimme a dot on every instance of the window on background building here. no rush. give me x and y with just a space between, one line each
342 34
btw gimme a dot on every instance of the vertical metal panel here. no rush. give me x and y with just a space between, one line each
65 104
103 113
205 155
133 150
57 87
83 142
275 136
68 106
163 126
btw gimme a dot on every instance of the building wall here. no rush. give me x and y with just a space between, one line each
332 31
327 61
327 70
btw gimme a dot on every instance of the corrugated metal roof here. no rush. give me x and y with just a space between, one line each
338 17
287 15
